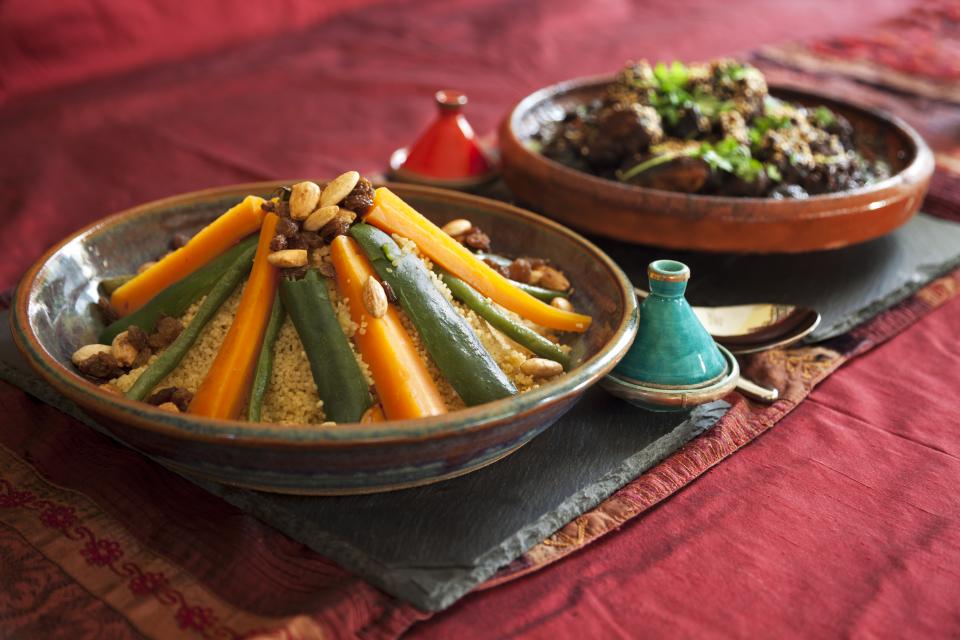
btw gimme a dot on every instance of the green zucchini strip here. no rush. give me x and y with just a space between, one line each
340 383
449 340
109 285
540 293
178 297
169 359
514 330
264 370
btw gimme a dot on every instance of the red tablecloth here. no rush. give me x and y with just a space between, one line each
840 521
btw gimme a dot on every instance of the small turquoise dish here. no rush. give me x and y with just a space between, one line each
54 314
672 349
673 364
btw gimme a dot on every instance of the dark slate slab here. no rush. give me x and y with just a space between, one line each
432 544
847 286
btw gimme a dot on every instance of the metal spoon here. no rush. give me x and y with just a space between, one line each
749 328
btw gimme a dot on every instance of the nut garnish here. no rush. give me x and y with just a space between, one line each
561 303
145 266
551 278
320 217
96 361
457 227
339 188
88 351
374 298
123 349
288 258
304 197
541 367
169 406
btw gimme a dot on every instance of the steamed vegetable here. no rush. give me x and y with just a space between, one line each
178 297
226 387
540 293
340 383
261 377
451 342
215 238
403 382
522 335
393 215
169 359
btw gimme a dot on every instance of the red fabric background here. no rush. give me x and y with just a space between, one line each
840 521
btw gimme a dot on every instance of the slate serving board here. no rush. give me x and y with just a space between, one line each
847 286
431 545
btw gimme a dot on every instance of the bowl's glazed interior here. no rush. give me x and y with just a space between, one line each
56 313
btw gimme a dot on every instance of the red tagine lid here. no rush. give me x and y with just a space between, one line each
448 150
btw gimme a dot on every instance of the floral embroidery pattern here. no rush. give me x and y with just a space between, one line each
107 553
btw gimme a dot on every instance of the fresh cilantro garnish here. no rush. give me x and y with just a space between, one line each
762 124
824 117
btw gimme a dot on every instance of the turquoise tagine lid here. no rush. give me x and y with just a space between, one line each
672 349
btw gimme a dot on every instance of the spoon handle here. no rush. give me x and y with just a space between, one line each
756 392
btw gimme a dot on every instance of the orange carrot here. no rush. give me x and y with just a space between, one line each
211 241
224 390
403 383
393 215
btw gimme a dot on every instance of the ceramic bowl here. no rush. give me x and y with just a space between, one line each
715 223
53 316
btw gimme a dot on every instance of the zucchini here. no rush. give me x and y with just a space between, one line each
169 359
178 297
340 383
449 340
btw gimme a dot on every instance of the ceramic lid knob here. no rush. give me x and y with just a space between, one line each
672 349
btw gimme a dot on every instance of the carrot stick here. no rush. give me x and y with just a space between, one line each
211 241
393 215
224 390
403 383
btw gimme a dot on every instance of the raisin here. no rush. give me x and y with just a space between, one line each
177 395
279 243
520 270
287 227
336 227
391 294
311 239
360 199
499 268
476 239
167 331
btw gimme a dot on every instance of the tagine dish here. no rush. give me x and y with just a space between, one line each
331 303
711 129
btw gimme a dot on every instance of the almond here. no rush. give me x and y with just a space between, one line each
320 217
561 303
339 188
457 227
304 197
88 351
541 367
374 298
288 258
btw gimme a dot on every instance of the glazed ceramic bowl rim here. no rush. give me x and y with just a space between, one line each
238 433
922 155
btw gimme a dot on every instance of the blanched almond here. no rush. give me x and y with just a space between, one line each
561 303
339 188
169 406
374 298
304 197
88 351
457 227
123 350
541 367
320 217
288 258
